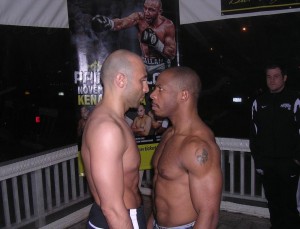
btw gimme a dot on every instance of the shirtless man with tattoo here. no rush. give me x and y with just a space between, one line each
187 183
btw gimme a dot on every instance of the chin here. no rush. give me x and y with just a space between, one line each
156 113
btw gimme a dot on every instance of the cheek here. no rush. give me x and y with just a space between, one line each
169 105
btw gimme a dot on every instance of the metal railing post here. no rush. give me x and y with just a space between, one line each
38 197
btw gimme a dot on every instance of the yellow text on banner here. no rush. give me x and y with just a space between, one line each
146 151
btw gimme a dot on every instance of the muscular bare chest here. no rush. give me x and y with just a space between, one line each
167 161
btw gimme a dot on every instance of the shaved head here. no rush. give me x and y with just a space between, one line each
156 1
185 78
120 61
124 78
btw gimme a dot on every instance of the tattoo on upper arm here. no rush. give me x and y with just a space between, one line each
202 157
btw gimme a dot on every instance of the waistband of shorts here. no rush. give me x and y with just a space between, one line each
153 60
134 211
93 226
186 226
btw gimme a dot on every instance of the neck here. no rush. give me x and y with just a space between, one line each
116 106
184 121
277 90
157 22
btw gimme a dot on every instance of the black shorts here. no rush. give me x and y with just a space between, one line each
97 219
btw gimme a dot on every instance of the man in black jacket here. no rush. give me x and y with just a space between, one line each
275 147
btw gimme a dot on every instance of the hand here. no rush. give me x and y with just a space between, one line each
297 162
101 23
150 38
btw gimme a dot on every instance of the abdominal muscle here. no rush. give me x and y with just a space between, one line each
132 196
173 203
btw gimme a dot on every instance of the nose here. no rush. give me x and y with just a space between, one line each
271 79
152 95
146 88
146 11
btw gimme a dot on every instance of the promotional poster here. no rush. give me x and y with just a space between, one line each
101 27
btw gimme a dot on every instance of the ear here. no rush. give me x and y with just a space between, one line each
284 78
121 80
185 95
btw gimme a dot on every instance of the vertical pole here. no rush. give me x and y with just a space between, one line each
38 197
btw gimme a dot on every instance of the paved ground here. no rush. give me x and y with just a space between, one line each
228 220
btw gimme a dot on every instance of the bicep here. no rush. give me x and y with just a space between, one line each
170 43
206 190
205 178
126 22
170 36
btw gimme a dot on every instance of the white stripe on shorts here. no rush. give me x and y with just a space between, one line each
134 220
93 226
133 217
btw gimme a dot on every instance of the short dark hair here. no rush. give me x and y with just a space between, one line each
187 78
276 65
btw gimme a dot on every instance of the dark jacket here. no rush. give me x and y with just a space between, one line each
275 126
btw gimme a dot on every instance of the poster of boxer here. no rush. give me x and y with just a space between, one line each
101 27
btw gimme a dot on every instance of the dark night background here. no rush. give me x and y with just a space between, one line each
229 61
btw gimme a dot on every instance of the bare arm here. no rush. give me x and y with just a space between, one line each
150 221
170 42
205 181
106 167
162 39
126 22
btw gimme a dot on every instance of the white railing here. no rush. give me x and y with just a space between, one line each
242 191
238 170
35 188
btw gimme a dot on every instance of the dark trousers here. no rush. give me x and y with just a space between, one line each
280 181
